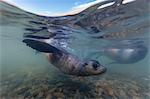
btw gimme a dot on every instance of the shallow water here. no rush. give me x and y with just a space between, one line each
27 74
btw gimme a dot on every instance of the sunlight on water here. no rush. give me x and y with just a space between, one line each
26 73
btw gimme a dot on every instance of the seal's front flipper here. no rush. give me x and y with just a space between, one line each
42 46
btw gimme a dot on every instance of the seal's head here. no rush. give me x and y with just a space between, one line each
93 67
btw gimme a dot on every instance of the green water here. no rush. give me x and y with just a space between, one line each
27 74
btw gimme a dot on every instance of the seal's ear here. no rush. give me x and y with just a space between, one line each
42 46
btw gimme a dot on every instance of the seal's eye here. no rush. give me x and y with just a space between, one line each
95 65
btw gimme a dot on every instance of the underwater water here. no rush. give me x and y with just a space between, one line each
27 74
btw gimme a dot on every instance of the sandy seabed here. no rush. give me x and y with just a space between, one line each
54 85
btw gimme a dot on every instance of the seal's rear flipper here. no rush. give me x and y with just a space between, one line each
42 46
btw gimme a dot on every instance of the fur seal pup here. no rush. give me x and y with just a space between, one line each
126 54
64 61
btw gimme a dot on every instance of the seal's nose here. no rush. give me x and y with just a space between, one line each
102 69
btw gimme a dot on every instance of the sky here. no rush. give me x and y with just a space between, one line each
54 7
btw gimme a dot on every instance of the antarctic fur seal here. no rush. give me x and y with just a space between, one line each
65 61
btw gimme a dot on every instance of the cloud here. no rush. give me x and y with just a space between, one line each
105 5
127 1
86 5
82 7
78 8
